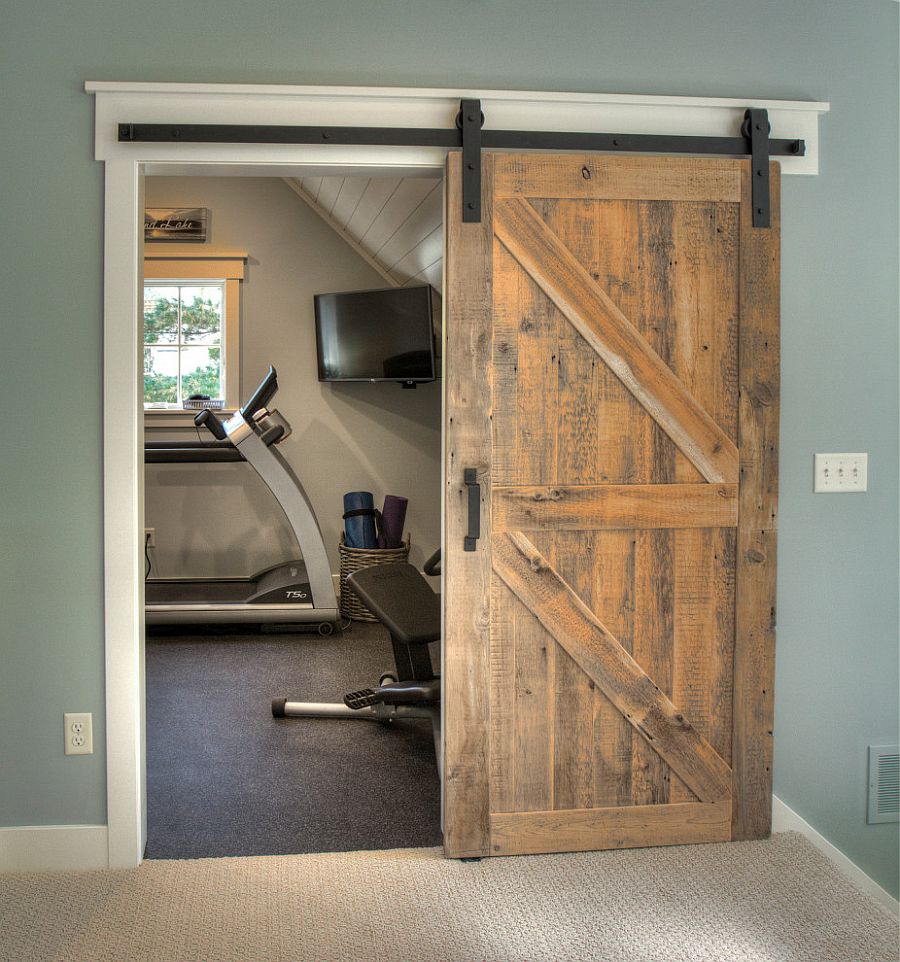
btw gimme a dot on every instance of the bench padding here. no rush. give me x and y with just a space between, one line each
402 600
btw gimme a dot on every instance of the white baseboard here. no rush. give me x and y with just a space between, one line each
785 819
53 848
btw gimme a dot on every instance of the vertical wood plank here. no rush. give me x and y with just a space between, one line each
467 580
653 590
575 223
535 700
704 350
538 439
534 684
503 761
574 694
507 311
754 654
578 384
705 278
657 322
612 573
652 650
537 397
695 616
620 455
721 695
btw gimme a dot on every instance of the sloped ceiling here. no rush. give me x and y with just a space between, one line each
394 223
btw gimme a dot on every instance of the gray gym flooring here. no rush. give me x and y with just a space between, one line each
226 778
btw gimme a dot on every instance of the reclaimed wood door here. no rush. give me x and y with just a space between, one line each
612 375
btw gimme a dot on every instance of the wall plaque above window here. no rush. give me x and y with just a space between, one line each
175 224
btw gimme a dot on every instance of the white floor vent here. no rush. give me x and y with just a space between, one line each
884 783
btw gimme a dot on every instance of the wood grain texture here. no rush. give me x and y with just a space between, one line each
466 654
703 636
623 455
536 413
619 676
579 830
612 569
612 506
507 311
704 355
613 554
754 653
577 398
704 274
653 652
504 762
595 176
615 339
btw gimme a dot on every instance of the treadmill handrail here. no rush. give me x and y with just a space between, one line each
190 452
280 478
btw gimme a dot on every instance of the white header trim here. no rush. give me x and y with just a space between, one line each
440 93
410 107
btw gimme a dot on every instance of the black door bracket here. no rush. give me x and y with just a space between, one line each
756 129
470 120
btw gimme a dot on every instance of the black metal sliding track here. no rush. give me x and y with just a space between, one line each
469 135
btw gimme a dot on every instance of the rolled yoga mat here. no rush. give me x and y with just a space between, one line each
393 517
359 528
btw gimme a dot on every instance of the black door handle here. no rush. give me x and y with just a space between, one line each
470 476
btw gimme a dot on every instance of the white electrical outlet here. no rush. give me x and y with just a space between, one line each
838 473
149 537
79 733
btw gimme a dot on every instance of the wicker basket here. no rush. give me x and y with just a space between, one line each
355 559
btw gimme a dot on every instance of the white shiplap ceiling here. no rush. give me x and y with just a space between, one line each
394 223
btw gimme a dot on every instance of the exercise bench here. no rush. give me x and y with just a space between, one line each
402 600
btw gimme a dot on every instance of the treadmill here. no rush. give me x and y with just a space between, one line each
288 593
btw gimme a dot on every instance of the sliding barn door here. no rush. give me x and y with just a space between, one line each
612 377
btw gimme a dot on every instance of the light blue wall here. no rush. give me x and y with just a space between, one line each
837 660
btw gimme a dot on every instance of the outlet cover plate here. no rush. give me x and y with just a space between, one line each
841 473
79 733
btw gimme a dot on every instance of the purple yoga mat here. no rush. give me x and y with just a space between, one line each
393 517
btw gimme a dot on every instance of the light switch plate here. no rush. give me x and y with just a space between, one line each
840 473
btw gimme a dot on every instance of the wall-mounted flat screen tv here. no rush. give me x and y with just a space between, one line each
383 335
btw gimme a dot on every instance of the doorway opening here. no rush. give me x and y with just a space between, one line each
225 778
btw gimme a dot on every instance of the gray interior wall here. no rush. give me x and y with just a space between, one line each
220 520
837 590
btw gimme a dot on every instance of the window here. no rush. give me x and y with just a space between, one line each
183 334
191 327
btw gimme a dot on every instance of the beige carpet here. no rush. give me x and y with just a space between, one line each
748 902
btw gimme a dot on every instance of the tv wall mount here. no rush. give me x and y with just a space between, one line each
470 136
